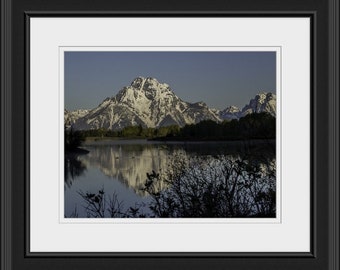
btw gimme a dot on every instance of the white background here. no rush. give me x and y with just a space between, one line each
50 233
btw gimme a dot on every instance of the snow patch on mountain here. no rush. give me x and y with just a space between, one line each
262 102
70 117
148 103
231 112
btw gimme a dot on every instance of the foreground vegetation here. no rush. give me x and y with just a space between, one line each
195 187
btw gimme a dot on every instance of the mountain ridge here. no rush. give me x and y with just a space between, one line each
150 103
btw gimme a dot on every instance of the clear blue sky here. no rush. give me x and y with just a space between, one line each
220 79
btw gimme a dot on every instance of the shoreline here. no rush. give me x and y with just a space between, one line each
114 141
76 152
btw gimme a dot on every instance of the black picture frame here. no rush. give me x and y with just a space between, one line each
325 210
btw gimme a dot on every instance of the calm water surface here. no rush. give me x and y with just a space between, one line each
121 167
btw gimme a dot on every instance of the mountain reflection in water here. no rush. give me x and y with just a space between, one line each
122 167
129 163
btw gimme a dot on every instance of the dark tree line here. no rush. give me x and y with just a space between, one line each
133 132
73 139
252 126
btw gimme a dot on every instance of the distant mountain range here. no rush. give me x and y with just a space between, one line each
149 103
262 102
71 117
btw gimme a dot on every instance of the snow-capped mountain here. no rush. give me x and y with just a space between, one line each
70 117
231 112
149 103
145 102
262 102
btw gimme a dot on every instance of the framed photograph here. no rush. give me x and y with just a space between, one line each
144 135
160 156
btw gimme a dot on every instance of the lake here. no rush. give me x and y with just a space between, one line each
117 170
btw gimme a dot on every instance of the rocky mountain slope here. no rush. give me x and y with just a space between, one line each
145 102
149 103
70 117
262 102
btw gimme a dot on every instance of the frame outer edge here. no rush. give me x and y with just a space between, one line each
334 96
6 129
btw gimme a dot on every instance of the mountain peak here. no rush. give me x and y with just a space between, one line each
231 112
138 82
148 86
142 83
151 103
232 109
146 102
262 102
